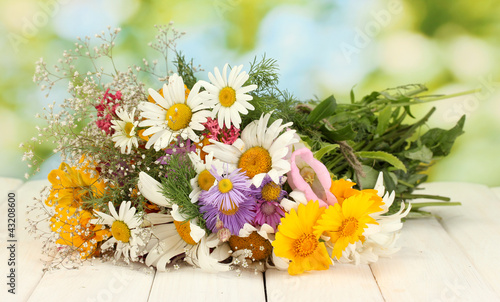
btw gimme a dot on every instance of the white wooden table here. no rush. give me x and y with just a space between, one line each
456 258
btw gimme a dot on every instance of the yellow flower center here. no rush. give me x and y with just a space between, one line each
305 245
120 231
227 96
184 231
254 161
206 180
225 185
271 191
349 227
128 129
308 174
179 116
231 211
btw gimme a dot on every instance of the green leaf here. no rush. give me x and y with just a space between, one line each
367 182
342 134
421 153
381 155
324 150
353 99
384 117
440 141
324 109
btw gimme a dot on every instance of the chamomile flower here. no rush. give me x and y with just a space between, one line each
260 151
176 235
173 114
125 231
203 180
227 95
125 131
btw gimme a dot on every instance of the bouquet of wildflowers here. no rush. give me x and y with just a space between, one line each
225 173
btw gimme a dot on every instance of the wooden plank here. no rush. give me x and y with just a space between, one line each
342 282
430 267
474 226
191 284
99 282
496 191
29 268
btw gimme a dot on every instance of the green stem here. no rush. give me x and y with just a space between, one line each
433 204
409 133
427 196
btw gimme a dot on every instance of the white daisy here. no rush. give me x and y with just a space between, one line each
261 150
173 114
125 230
177 235
203 180
227 96
125 131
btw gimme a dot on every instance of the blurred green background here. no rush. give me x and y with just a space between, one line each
322 47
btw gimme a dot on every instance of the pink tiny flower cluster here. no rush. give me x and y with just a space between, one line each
106 111
225 135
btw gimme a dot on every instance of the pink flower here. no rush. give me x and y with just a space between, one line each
311 177
106 111
225 135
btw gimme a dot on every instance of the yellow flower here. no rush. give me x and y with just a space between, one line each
71 221
71 184
345 223
295 240
342 189
74 229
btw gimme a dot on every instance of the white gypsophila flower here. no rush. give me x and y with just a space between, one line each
261 150
125 131
227 95
173 114
125 231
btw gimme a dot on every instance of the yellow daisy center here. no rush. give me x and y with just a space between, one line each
225 185
349 227
128 129
227 96
305 245
184 231
271 191
254 161
179 116
120 231
206 180
231 211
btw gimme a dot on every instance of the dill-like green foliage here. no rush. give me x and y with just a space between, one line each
176 186
185 69
269 98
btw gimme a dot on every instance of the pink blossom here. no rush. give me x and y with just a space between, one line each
224 135
311 177
106 111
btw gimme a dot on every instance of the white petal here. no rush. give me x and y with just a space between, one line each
150 188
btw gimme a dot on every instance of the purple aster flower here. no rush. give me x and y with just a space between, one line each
231 190
268 212
233 219
269 190
181 147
